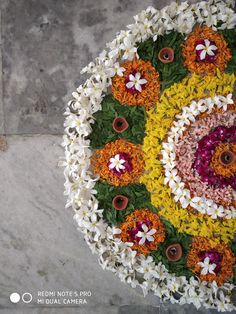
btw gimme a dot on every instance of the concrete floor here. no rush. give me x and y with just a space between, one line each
44 45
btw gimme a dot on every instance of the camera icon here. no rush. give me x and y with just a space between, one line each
26 297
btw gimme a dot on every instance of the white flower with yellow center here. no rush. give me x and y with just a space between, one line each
117 163
145 234
136 81
206 49
207 267
216 211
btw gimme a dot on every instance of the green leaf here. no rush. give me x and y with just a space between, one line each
102 130
173 236
230 37
146 49
169 73
137 194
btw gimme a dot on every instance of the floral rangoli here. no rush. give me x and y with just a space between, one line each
150 148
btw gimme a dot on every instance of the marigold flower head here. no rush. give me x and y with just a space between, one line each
101 158
133 224
226 261
208 65
148 88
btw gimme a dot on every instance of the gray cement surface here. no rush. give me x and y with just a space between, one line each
43 46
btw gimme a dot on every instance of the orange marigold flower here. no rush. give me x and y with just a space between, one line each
220 57
224 160
130 168
149 92
219 253
144 229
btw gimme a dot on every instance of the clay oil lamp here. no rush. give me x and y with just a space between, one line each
120 124
174 252
166 55
120 202
227 158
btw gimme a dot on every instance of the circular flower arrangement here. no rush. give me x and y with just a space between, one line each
150 147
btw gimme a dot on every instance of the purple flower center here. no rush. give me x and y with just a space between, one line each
128 165
208 58
204 153
132 90
133 232
214 257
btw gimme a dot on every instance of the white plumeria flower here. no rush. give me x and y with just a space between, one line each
185 198
210 103
82 214
230 213
128 259
222 304
129 49
216 211
201 105
169 146
161 272
117 163
186 116
178 188
192 287
199 204
136 81
207 48
179 126
224 101
81 126
118 69
182 195
114 68
167 157
229 99
146 267
175 133
207 267
146 235
171 177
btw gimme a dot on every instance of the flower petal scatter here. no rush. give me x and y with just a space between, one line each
155 197
205 51
187 151
202 159
159 123
139 85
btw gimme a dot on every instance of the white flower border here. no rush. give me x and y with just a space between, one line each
183 195
79 185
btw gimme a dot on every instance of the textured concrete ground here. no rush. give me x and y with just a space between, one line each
44 44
